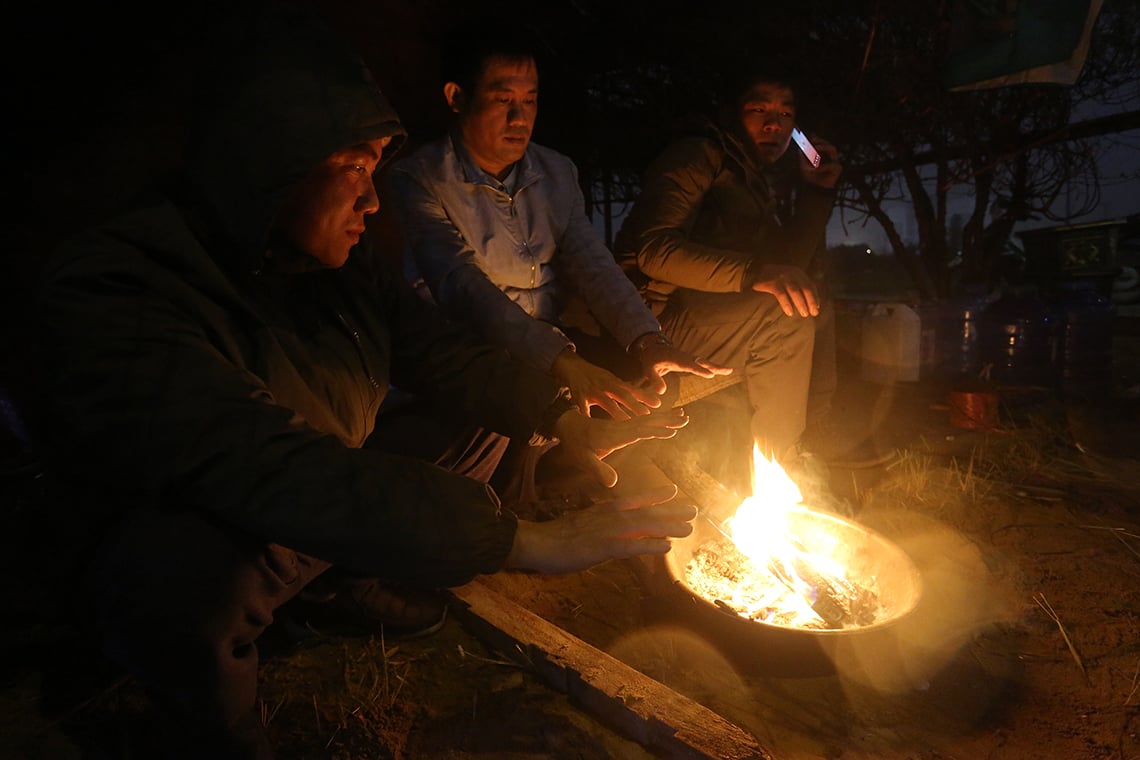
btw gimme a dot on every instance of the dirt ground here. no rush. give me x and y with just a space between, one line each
1025 644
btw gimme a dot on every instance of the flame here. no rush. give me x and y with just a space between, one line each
760 529
761 522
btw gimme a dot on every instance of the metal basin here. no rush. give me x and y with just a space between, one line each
791 650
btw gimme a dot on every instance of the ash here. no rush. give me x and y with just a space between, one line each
722 574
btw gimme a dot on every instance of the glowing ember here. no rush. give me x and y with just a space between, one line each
763 568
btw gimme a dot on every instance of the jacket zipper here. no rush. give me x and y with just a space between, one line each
359 348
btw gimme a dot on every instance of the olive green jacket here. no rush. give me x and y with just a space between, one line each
706 213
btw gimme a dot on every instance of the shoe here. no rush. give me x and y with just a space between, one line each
863 459
813 477
825 440
370 605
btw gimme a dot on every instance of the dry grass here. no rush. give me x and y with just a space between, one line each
338 693
1044 604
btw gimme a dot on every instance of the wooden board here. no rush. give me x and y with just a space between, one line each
629 701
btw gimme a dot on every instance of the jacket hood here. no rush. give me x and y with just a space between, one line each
291 94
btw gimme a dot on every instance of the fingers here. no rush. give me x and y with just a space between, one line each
662 424
715 369
603 473
804 302
578 539
581 402
813 302
656 495
642 398
620 401
655 382
612 408
591 385
652 514
785 302
603 437
792 289
671 520
669 359
633 547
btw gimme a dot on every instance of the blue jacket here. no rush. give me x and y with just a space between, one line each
510 264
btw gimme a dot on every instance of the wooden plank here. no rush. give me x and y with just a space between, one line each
638 706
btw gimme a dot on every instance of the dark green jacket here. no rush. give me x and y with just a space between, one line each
182 368
706 212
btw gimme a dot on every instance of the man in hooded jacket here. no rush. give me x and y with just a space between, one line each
214 361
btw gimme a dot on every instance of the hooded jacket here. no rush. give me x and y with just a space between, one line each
707 214
183 367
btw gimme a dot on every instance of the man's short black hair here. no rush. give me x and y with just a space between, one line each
473 42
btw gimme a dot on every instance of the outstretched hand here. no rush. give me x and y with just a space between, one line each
579 539
586 441
791 286
659 359
591 385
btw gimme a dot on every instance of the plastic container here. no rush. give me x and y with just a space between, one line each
891 343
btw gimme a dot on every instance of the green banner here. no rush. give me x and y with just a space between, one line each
996 43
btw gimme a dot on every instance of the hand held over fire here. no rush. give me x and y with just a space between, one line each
579 539
587 441
591 385
659 359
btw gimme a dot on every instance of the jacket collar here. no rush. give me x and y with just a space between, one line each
527 171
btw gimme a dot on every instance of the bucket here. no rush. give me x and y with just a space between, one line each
974 410
891 343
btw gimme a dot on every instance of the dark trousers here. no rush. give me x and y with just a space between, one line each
180 598
770 352
824 364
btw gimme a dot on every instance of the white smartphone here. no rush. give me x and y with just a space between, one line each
808 149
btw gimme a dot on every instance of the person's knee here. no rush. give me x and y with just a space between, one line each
790 335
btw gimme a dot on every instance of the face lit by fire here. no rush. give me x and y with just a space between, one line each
767 114
496 119
324 214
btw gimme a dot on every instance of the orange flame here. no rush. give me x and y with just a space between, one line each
761 531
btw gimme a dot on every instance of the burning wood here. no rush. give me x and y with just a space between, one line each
724 575
768 565
839 601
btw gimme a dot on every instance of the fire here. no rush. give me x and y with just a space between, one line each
773 566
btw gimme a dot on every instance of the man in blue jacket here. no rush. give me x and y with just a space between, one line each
495 231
